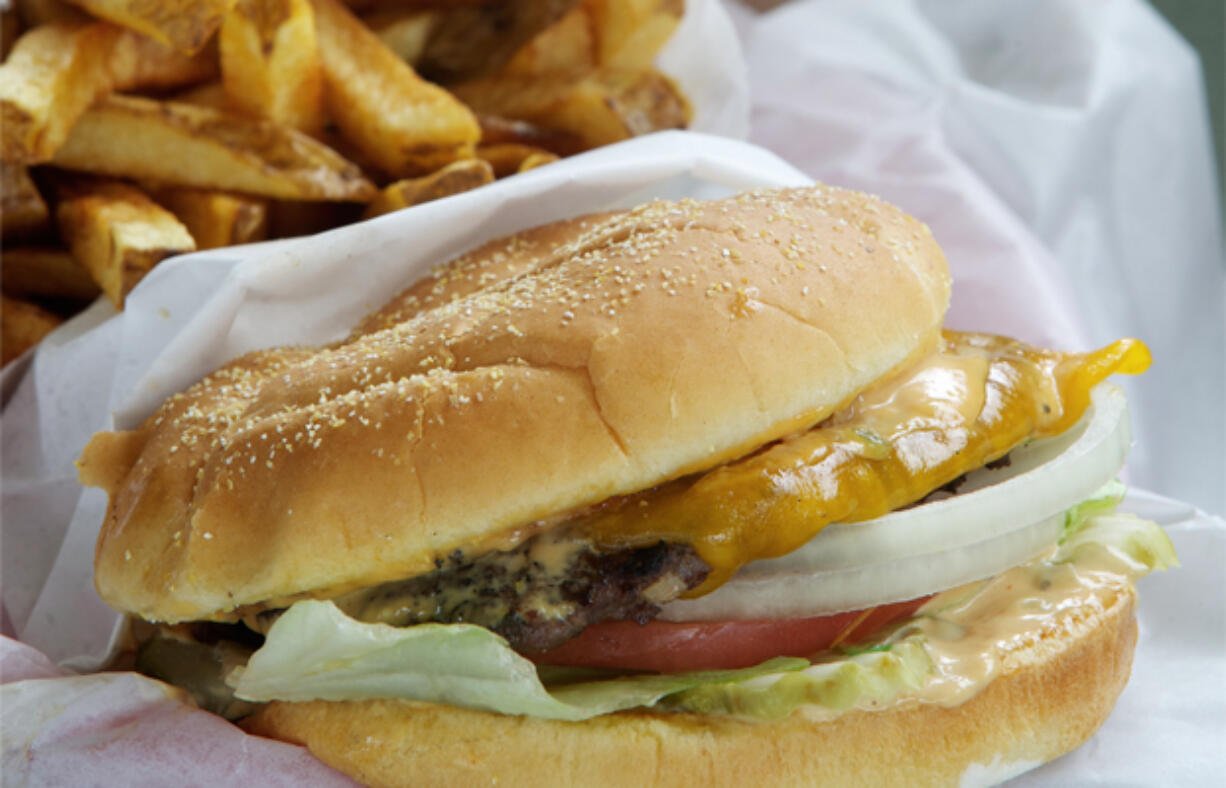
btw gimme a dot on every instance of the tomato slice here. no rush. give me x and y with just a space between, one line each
678 646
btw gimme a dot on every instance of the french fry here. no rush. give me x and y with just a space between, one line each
459 176
117 233
40 273
270 62
183 145
185 25
56 71
368 6
568 46
629 33
471 42
23 212
508 158
140 63
537 159
215 218
22 326
496 130
616 34
405 31
604 107
403 123
52 75
210 94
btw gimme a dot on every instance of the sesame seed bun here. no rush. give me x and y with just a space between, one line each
1056 687
539 374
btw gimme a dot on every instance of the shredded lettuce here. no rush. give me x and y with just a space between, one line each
1140 544
316 652
1103 501
876 675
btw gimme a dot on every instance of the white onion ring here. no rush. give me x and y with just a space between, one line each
999 519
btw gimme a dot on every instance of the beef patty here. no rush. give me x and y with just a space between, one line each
539 594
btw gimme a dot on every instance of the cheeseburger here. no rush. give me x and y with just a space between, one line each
698 493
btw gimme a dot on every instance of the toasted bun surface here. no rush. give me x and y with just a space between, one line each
542 373
1052 694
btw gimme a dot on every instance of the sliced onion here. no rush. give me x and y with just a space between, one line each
1000 518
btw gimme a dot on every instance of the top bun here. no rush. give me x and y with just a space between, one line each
537 375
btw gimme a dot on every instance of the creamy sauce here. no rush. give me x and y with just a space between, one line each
972 633
959 408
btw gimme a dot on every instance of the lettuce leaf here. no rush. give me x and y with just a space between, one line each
880 676
1141 545
1104 501
316 652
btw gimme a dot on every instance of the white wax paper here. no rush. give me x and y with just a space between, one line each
1058 154
125 729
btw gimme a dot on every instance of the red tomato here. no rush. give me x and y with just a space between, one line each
675 647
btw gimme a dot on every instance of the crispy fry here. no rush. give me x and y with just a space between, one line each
567 47
477 41
52 75
617 34
117 233
184 24
508 158
496 130
23 212
605 107
215 218
368 6
182 145
56 71
41 273
210 94
139 63
629 33
537 159
405 31
270 62
459 176
404 123
22 326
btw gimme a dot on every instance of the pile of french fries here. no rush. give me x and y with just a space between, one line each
134 130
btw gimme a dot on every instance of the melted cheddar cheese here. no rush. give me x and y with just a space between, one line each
966 405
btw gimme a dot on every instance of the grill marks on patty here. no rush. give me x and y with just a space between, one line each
538 595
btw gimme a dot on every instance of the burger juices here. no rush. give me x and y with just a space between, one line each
587 448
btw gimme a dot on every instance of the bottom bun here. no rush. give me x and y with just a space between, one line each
1051 696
